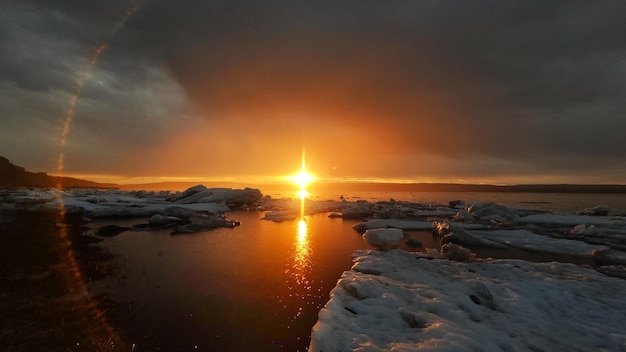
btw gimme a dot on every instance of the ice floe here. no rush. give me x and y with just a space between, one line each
399 224
180 211
400 301
383 238
540 243
449 299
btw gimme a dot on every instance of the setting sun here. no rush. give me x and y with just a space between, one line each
302 179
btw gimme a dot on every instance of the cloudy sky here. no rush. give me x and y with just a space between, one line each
429 91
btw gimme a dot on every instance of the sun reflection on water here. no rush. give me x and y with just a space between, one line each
302 253
300 281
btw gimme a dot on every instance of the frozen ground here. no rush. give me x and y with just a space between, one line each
400 301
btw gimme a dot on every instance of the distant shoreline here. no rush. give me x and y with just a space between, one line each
394 187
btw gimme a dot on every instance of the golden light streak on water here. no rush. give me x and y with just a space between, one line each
302 253
302 244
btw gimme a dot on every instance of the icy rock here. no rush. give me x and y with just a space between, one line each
399 301
599 210
201 194
359 211
203 223
440 212
118 212
458 204
453 233
400 224
280 215
160 220
187 193
463 216
179 212
492 211
457 253
383 238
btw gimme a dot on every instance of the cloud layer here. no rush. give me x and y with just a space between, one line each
477 91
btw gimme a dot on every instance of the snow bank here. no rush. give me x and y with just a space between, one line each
400 301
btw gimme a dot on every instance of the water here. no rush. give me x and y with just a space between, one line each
558 202
261 285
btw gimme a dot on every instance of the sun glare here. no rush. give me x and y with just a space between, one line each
302 179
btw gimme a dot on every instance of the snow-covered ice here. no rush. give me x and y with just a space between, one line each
111 203
555 219
383 238
531 241
400 301
399 224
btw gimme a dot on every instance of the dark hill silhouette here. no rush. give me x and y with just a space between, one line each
12 176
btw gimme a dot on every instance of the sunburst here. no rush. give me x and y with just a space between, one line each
302 179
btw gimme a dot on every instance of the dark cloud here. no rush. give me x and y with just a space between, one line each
528 86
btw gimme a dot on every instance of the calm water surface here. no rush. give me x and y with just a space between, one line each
259 284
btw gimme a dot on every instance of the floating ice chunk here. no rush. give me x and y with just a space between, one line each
455 233
540 243
383 238
280 215
598 210
400 224
159 220
440 212
198 194
489 211
358 211
399 301
187 193
463 216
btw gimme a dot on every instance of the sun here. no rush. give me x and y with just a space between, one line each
302 179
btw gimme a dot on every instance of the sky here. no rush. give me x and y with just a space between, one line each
498 92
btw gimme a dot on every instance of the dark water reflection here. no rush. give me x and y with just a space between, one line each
260 284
